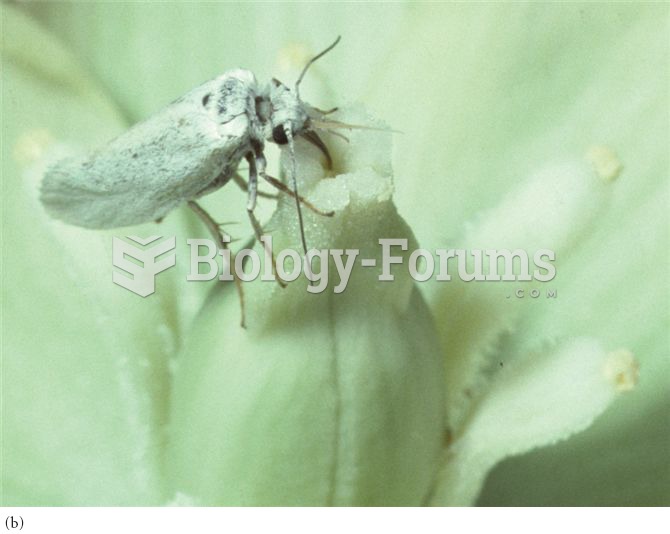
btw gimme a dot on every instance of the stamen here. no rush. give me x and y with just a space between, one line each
622 369
605 162
31 145
291 56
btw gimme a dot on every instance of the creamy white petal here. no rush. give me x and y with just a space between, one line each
83 361
554 209
537 400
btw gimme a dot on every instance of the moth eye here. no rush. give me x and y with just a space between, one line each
205 99
279 135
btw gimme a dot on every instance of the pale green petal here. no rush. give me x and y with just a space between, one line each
539 399
324 399
171 47
561 204
83 362
492 93
621 460
503 94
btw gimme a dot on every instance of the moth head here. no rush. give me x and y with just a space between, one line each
289 117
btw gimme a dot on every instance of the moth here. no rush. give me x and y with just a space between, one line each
191 148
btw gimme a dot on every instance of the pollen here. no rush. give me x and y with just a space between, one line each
31 145
292 56
622 370
605 162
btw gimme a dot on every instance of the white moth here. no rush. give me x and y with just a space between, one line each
189 149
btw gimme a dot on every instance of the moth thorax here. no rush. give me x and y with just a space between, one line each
263 109
287 109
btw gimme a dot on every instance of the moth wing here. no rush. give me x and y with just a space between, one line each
149 170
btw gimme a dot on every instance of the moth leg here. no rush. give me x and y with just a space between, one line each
244 186
285 189
251 204
314 139
215 229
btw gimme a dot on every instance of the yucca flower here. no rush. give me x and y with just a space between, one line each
524 127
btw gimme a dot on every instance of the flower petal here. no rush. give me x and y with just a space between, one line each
84 362
538 401
175 46
498 92
555 209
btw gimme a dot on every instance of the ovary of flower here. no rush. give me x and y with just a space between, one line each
324 398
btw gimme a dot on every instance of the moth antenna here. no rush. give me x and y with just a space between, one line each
294 184
309 64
